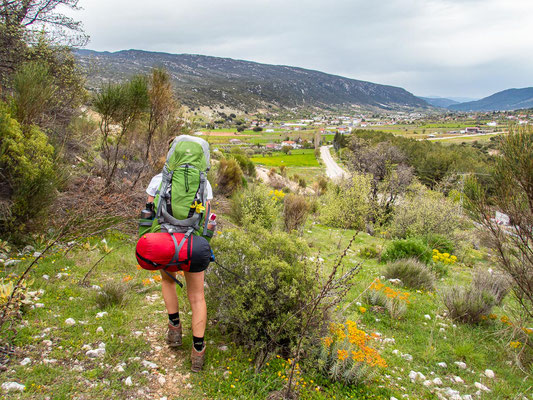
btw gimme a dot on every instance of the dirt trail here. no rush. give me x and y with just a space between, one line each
174 377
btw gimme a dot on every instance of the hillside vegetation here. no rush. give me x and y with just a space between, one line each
395 282
244 85
510 99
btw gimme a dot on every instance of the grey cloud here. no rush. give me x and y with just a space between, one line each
440 47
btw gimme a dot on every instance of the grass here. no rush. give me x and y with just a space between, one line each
468 139
298 158
230 372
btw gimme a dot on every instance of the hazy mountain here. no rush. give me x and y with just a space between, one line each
462 99
203 80
439 101
510 99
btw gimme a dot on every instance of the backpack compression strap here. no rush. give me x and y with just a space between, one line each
167 221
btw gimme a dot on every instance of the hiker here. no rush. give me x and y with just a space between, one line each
194 278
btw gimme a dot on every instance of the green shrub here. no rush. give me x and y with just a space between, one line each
247 166
229 176
440 242
295 212
29 173
439 269
468 304
347 206
368 252
217 155
496 284
376 298
425 212
412 273
407 248
268 282
321 185
255 206
114 293
249 153
34 92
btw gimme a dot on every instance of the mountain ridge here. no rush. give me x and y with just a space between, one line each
506 100
215 81
441 102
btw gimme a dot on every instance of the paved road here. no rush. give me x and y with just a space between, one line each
333 170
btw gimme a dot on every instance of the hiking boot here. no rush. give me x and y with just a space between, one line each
197 359
174 335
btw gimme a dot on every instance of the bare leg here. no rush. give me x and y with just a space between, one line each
195 293
168 287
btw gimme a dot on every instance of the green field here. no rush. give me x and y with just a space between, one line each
298 158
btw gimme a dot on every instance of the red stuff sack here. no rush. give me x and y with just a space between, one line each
156 251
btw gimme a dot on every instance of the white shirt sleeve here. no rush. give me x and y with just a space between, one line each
208 191
154 184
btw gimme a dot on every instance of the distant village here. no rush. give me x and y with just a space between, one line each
478 123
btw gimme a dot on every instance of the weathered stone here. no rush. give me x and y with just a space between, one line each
13 387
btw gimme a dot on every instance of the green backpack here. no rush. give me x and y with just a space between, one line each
180 202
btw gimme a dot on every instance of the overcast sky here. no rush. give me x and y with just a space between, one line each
469 48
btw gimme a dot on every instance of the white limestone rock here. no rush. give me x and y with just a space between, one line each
149 364
26 361
481 386
95 353
458 379
13 387
489 373
460 364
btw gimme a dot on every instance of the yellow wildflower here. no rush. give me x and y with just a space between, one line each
342 355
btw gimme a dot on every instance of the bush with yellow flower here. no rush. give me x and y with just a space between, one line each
444 258
395 301
347 354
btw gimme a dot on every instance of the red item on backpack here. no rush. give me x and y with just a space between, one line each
156 251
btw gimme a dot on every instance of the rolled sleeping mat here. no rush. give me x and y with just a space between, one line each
155 251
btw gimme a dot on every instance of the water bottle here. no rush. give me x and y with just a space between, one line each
212 223
148 212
